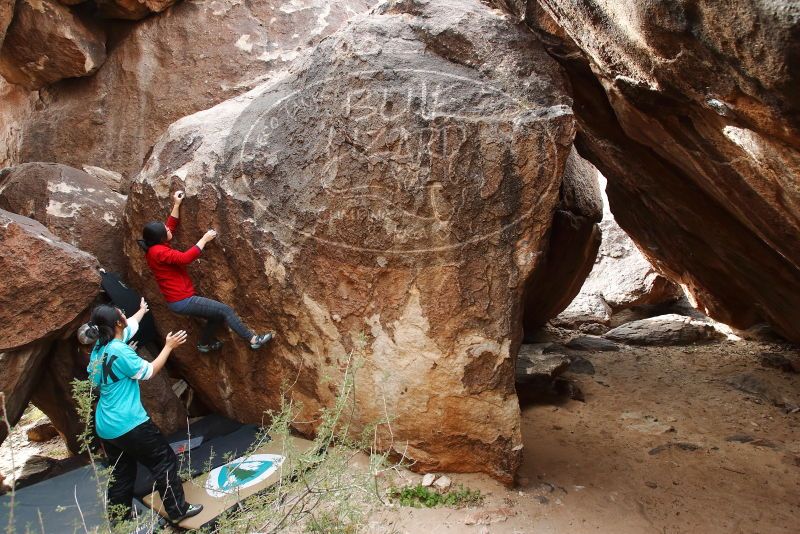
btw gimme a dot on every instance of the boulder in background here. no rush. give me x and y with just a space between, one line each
46 42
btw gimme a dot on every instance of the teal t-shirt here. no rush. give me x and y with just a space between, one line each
116 369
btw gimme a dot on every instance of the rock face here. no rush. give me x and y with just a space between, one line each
75 206
46 42
368 202
110 120
131 9
671 329
592 344
44 431
691 110
47 286
532 366
46 283
52 393
621 278
6 14
573 243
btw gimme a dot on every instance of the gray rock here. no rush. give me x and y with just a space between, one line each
779 361
586 308
680 445
749 383
776 393
36 469
669 329
532 366
581 365
443 483
592 344
595 329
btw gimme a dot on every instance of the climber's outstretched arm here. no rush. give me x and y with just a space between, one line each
176 207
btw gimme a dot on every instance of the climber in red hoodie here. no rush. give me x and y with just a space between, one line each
169 268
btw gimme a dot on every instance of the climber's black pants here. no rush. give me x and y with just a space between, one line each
146 445
216 314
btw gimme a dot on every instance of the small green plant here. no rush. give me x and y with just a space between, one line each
421 497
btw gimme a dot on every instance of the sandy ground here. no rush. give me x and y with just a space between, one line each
591 467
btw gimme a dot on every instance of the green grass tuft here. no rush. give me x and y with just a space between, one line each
421 497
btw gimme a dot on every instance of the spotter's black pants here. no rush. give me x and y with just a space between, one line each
146 445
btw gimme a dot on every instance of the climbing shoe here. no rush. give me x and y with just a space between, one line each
210 348
262 340
192 511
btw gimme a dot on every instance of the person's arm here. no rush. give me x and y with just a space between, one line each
176 206
139 315
174 217
131 329
207 237
173 341
176 257
135 367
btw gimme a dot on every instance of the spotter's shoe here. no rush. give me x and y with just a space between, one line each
192 511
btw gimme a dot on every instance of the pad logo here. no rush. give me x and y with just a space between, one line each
241 473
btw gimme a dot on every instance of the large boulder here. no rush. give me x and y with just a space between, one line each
46 42
381 205
47 283
670 329
691 110
110 120
47 286
79 208
572 244
83 210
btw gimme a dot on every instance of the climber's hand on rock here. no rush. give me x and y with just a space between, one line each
143 307
178 197
210 235
175 340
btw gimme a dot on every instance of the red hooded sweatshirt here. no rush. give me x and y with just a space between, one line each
169 267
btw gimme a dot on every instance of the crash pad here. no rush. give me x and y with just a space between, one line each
224 486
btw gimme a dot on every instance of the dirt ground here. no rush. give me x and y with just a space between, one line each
662 444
